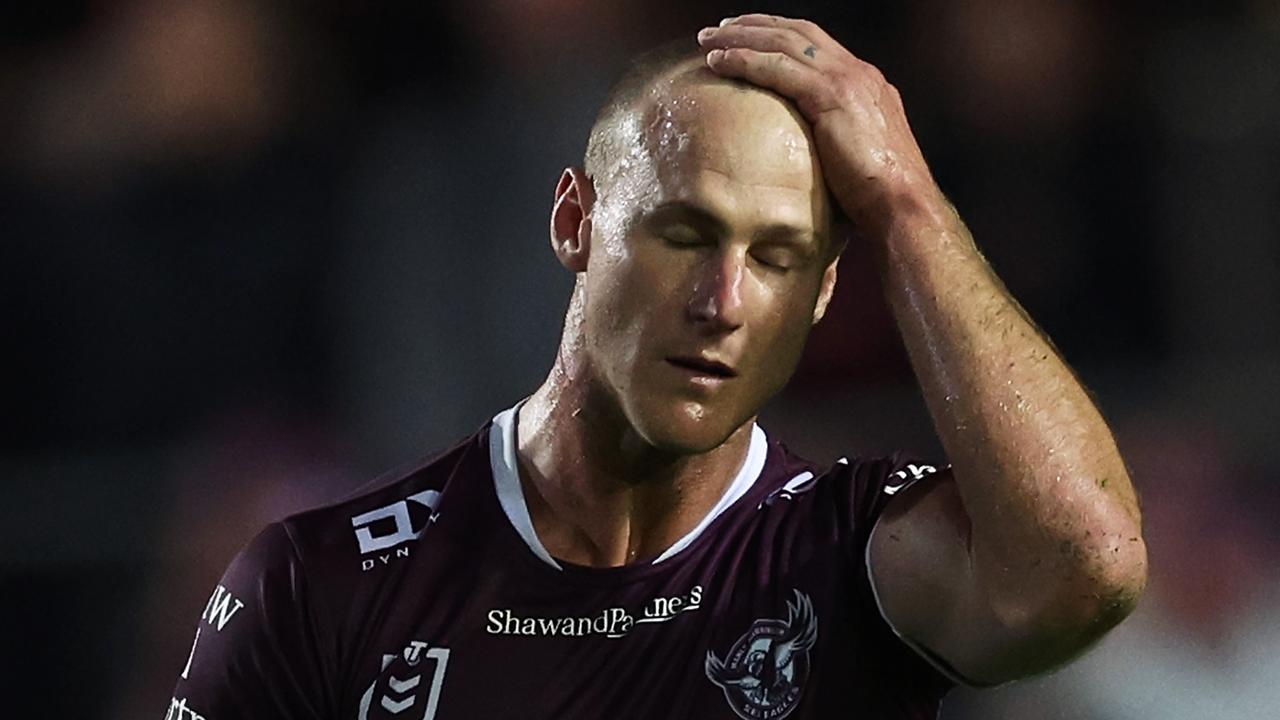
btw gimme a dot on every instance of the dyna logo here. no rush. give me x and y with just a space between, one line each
392 525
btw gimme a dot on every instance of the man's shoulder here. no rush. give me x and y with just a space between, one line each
787 470
856 486
391 509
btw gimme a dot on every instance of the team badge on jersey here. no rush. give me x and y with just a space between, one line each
764 673
407 684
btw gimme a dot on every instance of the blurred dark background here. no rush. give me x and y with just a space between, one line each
253 253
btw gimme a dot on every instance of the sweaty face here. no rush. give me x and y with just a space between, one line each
707 256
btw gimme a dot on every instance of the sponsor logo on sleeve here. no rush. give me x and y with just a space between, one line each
380 531
405 685
222 606
764 673
178 710
906 477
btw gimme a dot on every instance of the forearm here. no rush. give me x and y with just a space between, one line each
1054 518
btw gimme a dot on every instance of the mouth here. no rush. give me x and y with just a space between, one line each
703 366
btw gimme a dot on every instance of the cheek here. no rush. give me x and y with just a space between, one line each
783 329
636 288
623 304
785 347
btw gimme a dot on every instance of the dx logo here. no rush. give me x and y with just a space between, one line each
396 524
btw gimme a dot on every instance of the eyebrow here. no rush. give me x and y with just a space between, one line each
708 220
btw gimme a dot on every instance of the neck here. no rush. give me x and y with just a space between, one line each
597 492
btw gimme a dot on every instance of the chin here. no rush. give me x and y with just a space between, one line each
685 427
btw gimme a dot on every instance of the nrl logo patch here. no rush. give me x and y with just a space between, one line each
763 674
407 681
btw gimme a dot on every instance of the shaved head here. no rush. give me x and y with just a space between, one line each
669 107
604 149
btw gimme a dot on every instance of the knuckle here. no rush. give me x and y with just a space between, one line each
833 95
843 85
734 57
842 94
769 38
777 33
874 74
807 25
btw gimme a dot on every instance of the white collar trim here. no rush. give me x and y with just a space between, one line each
506 481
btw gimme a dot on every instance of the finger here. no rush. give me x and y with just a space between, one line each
761 38
776 71
824 45
806 28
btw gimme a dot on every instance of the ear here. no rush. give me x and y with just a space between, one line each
826 290
571 219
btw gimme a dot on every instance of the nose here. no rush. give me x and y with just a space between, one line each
716 303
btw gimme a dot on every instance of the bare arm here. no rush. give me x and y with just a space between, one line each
1035 549
1039 539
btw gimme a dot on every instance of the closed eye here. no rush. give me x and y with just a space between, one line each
778 259
683 236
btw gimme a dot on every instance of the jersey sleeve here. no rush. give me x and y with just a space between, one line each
871 486
254 654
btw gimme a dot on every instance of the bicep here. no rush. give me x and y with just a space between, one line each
920 566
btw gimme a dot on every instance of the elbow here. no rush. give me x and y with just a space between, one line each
1105 571
1117 581
1102 589
1052 622
1091 589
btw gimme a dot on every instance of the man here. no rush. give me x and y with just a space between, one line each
626 542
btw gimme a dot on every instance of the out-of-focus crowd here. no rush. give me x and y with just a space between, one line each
254 253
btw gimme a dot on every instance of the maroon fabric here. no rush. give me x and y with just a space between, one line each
449 615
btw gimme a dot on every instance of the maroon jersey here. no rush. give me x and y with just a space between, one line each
430 597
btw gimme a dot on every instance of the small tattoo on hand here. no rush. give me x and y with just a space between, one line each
811 51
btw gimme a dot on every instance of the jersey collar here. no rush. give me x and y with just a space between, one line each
506 480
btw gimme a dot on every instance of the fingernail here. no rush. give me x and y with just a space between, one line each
715 55
728 20
705 33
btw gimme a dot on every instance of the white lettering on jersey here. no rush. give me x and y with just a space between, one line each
613 622
398 512
368 564
219 611
222 606
907 477
187 668
178 710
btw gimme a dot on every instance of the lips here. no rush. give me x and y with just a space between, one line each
703 366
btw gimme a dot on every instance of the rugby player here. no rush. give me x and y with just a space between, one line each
627 542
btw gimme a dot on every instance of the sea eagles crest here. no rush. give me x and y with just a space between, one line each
763 674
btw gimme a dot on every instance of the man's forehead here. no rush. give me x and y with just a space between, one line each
693 117
728 147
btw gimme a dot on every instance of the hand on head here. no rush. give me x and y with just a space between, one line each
870 157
